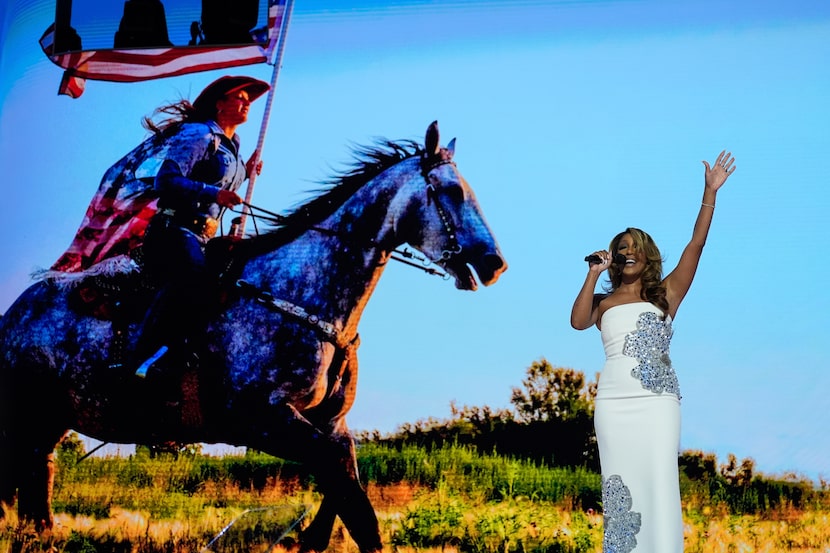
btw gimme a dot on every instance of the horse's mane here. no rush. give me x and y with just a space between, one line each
368 162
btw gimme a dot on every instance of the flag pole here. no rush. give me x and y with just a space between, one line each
249 191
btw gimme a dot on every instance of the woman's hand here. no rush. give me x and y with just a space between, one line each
585 309
605 261
228 198
679 281
254 164
717 174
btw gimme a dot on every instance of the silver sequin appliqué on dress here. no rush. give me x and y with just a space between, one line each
649 345
621 523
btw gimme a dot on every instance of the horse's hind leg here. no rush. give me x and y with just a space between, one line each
36 426
27 475
34 469
8 484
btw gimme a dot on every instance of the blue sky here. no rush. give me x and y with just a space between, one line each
573 120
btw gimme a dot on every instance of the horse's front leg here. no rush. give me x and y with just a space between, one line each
330 457
317 535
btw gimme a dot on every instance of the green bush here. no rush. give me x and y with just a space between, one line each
512 526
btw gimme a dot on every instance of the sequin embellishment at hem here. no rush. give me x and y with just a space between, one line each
649 344
620 523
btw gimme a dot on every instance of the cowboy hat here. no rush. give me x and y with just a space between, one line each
223 86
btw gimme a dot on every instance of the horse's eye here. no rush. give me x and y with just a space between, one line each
453 192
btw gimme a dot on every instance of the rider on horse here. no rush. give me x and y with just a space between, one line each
166 195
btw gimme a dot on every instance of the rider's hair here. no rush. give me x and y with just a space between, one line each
177 113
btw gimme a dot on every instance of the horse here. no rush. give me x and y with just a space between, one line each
279 369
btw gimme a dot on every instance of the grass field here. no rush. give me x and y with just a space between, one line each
447 500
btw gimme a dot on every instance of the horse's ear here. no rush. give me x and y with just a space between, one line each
431 146
451 147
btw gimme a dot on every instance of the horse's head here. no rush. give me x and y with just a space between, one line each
396 193
451 229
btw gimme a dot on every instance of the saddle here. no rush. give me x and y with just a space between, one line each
121 297
119 290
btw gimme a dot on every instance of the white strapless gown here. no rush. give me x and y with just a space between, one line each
637 423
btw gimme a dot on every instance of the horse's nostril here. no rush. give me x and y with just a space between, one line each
493 261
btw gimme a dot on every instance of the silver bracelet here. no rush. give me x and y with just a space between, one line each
708 205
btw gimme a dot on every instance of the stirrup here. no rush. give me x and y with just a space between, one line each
141 372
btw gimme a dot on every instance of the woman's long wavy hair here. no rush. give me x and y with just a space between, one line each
176 113
653 289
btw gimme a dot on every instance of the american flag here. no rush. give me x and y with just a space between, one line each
141 64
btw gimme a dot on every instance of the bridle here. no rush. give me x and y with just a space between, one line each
428 163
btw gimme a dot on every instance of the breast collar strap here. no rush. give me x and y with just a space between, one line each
329 330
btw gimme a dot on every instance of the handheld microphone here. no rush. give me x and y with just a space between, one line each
618 259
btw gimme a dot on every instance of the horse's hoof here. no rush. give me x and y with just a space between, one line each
285 545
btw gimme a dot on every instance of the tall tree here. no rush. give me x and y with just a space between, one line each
553 394
555 406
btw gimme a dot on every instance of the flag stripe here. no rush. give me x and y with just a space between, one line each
154 63
140 64
71 85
